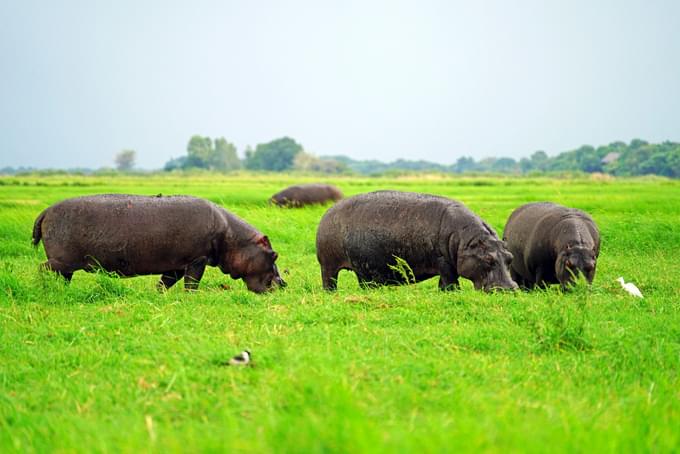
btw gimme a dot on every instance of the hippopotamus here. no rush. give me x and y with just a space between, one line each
173 236
371 233
551 244
306 194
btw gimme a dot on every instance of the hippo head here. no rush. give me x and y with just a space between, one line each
486 261
574 260
276 199
253 262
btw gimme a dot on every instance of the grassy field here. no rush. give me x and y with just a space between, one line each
107 364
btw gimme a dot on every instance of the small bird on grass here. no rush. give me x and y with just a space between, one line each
242 359
630 288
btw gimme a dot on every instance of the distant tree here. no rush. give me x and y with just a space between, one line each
588 159
199 152
305 162
176 164
248 153
464 164
125 160
418 166
310 163
277 155
204 153
505 165
539 161
638 143
674 161
485 164
525 165
224 156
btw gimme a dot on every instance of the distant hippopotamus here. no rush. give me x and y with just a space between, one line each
551 244
172 236
306 194
434 235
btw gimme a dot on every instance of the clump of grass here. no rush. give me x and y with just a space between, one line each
561 327
403 269
107 285
52 287
10 285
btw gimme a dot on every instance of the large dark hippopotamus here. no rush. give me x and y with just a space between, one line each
551 244
436 236
306 194
172 236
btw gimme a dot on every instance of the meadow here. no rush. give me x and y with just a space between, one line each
105 364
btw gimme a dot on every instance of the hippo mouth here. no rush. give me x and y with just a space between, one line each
495 282
266 283
569 276
568 268
278 282
490 288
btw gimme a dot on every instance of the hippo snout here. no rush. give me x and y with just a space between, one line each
573 270
497 285
505 287
278 280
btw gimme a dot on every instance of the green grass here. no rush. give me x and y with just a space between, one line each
107 364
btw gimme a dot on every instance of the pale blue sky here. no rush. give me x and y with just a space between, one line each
370 79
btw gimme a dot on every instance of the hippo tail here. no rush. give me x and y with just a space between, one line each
37 229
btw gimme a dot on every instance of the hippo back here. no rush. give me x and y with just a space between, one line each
306 194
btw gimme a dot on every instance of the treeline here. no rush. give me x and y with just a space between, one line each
279 155
285 154
618 158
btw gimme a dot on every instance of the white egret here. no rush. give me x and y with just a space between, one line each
630 288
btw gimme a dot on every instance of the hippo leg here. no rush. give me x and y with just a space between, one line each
523 283
329 277
448 278
541 277
59 268
448 284
169 279
194 273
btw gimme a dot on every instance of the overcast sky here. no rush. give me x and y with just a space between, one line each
432 80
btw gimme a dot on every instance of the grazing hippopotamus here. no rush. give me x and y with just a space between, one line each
172 236
551 244
306 194
436 236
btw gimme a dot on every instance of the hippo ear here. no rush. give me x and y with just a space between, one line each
264 241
